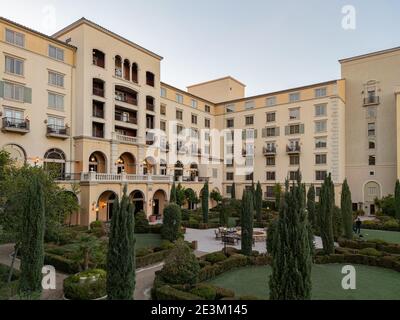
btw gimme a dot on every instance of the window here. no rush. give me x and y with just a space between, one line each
320 126
249 176
229 162
207 108
371 112
15 37
98 130
272 132
163 92
194 103
98 58
249 134
320 159
230 149
14 66
194 119
270 192
229 136
179 114
13 115
371 144
55 122
228 189
294 129
320 92
56 101
294 160
320 110
207 136
270 161
163 125
271 116
317 191
230 108
371 160
320 175
229 176
56 79
98 109
163 109
207 149
207 123
230 123
294 114
248 105
271 175
293 97
14 91
293 175
179 129
320 143
371 129
249 120
179 98
150 78
56 53
270 101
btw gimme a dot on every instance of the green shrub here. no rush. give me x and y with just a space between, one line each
172 222
141 222
61 263
143 252
181 266
205 291
154 228
169 293
93 287
370 252
96 224
215 257
185 215
391 224
151 258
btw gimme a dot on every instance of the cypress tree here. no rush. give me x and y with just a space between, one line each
172 222
204 202
346 210
291 249
258 202
397 199
121 251
172 196
233 192
277 192
326 214
32 242
247 222
311 206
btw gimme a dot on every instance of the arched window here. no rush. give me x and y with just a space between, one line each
97 162
135 77
17 154
98 58
118 66
127 67
54 163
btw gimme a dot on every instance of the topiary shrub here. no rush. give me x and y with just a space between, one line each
87 285
172 222
370 252
215 257
181 266
205 291
141 223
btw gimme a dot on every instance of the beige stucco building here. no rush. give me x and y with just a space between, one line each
90 105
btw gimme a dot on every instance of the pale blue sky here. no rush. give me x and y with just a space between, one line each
268 45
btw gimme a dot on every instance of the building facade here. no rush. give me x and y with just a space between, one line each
89 105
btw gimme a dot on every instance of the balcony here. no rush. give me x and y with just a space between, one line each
122 118
124 178
16 125
54 131
269 151
68 177
293 149
126 139
126 97
371 100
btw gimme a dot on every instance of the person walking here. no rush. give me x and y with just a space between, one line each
358 225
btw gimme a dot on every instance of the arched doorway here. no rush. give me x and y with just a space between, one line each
126 163
54 163
137 198
178 172
159 200
105 206
372 190
17 154
97 162
149 166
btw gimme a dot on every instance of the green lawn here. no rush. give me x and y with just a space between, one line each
147 240
388 236
371 282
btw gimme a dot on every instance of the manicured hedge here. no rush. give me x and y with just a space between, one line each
390 225
151 258
378 245
61 263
